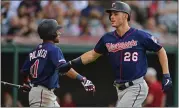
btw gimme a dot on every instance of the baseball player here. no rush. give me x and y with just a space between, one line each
43 66
126 49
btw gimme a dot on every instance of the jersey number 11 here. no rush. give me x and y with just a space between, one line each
34 69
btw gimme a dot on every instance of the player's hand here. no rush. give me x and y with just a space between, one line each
88 85
167 82
26 87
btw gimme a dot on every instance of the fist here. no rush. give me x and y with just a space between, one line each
88 85
26 87
167 82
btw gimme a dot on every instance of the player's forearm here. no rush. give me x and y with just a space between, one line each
70 72
89 57
84 59
73 74
163 60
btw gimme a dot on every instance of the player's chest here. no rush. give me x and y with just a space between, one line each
115 45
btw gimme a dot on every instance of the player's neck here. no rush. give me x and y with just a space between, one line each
121 30
48 41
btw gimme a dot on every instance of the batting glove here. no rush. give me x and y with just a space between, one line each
167 82
88 85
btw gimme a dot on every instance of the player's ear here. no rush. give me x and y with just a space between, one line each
125 16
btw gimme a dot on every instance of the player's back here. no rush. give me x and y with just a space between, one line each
42 63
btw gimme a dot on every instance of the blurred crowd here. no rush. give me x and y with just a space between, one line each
86 18
7 100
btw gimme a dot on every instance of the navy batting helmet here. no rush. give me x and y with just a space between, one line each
47 29
120 7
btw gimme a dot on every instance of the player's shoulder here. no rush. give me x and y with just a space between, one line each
47 46
54 48
143 33
108 34
36 48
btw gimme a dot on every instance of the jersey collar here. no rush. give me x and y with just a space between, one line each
47 43
125 35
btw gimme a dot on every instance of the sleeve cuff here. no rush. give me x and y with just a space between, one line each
97 51
159 48
61 62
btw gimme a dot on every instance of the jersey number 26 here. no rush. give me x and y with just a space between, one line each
128 56
34 69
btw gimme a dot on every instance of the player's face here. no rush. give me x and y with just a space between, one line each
57 39
118 18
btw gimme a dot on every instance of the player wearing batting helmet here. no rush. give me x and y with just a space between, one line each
126 49
43 65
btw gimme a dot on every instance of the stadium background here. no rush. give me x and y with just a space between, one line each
84 23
